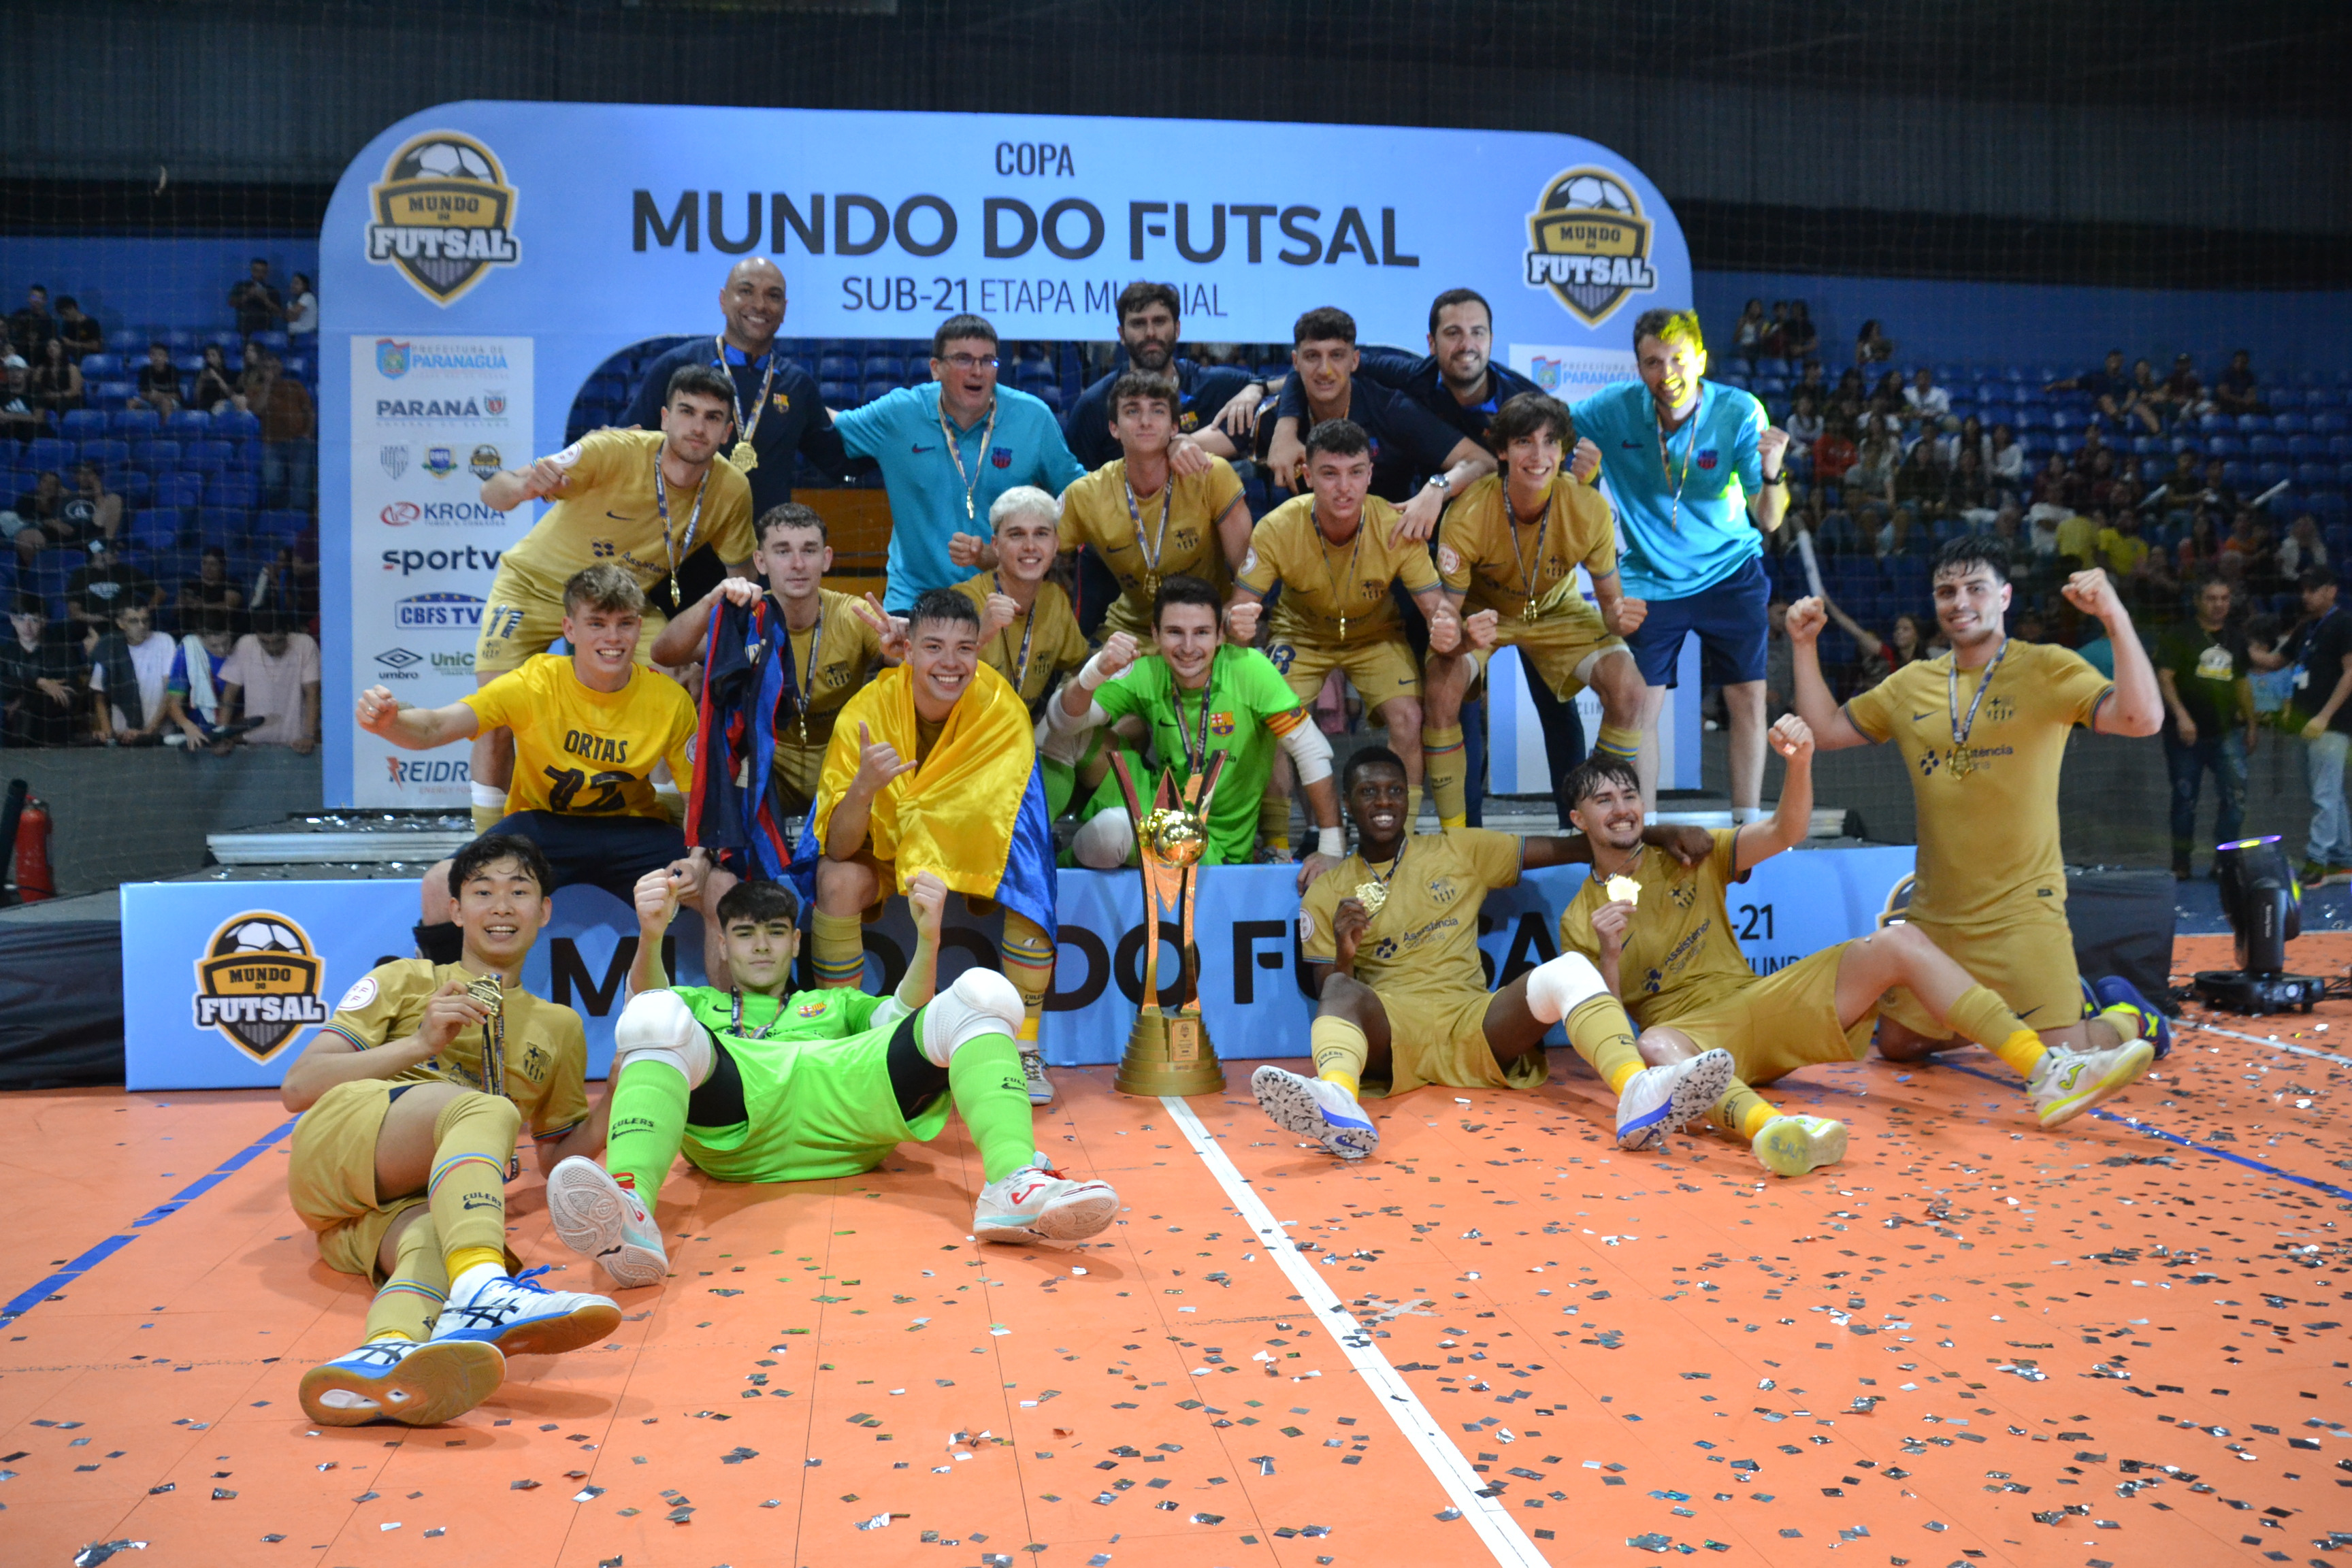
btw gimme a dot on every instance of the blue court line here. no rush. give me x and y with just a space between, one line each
25 1301
2153 1131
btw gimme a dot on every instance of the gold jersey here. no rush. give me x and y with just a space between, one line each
1422 944
1039 646
1508 568
1680 956
607 510
546 1053
1323 582
1179 540
585 753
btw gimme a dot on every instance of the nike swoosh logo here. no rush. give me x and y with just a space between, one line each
1916 717
618 517
923 449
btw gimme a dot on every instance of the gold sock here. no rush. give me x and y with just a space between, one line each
1742 1111
408 1302
1274 822
1445 767
1026 953
473 1140
1604 1036
487 817
1411 808
836 950
1616 743
1980 1015
2124 1019
1340 1050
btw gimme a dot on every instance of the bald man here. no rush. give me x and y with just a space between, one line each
778 412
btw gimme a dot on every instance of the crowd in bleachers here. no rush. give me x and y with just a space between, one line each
167 469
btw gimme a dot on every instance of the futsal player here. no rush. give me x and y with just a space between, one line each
1198 694
1150 325
759 1084
1662 936
1508 550
411 1097
1983 731
1335 551
933 767
1390 941
1028 632
1695 469
589 728
641 500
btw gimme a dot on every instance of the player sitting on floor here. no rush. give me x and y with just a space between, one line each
1393 953
762 1085
933 767
410 1096
1661 935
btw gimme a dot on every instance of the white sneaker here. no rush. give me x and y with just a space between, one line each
1033 1073
1313 1108
2069 1082
522 1316
598 1217
1660 1101
1039 1203
417 1385
1792 1145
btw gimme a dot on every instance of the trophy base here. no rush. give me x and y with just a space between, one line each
1167 1052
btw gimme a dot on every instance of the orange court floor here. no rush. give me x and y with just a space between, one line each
2117 1345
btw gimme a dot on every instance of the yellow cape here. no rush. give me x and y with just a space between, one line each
954 815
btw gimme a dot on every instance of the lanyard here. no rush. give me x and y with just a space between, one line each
802 691
742 457
1159 538
1028 629
1690 444
1374 895
971 482
736 1027
1534 564
693 521
1962 765
1338 594
1195 760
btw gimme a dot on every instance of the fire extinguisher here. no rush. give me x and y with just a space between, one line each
35 879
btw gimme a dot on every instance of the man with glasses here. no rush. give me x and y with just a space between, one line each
947 451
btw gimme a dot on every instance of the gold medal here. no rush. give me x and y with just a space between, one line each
486 990
743 457
1371 894
1623 890
1960 763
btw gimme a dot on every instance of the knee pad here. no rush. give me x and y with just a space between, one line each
658 1025
980 1002
1104 841
1559 987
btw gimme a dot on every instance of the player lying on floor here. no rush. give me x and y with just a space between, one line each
1393 953
410 1096
1661 935
762 1084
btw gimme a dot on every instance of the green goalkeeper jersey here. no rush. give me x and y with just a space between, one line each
816 1087
1243 712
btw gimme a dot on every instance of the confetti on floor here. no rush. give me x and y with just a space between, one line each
1973 1342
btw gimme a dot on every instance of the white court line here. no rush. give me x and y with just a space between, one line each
1496 1527
2274 1045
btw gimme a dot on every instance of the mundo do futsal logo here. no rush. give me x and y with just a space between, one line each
444 215
1589 244
259 982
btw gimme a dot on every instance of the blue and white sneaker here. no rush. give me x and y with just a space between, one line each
416 1384
2114 991
1315 1108
522 1316
1660 1101
598 1217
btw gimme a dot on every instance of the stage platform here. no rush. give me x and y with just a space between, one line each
2121 1344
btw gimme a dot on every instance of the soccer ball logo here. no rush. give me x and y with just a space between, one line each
1589 243
265 936
1599 191
259 982
440 160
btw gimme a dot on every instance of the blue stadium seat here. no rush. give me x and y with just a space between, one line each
136 488
158 527
110 395
2344 473
127 343
883 367
155 455
2234 474
2265 446
2291 424
2269 474
237 422
187 363
2315 473
2327 505
179 489
232 488
232 340
2225 446
81 424
2152 469
134 423
837 367
106 450
302 368
874 389
47 578
2033 418
44 453
838 394
97 367
2302 446
2321 397
2143 445
2329 424
2253 424
2067 444
178 340
189 425
276 340
272 528
210 456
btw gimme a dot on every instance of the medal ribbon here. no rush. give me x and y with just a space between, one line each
736 1028
1195 762
1674 522
1528 568
1159 539
955 453
673 548
746 428
1338 596
1028 629
802 690
1961 728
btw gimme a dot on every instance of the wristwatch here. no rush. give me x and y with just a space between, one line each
1442 482
1779 478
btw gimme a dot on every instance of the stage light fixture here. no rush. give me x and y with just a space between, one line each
2265 905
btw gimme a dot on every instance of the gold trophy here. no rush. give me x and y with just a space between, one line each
1168 1051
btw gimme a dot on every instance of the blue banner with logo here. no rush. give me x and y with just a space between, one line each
235 976
480 260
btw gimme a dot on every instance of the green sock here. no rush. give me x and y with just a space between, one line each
984 1078
648 1126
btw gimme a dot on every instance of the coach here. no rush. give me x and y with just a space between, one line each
1690 464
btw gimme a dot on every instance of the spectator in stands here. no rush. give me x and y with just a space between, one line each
2199 556
288 584
32 326
1850 394
91 512
1920 482
1968 491
1882 657
2181 488
1928 402
1890 402
1813 384
1834 455
1779 660
2147 397
215 387
159 383
274 676
77 330
2320 649
2108 385
96 594
1803 341
302 310
256 302
2087 454
210 591
2235 392
1804 427
2041 534
130 676
2218 494
2127 555
1873 473
1871 346
2250 542
57 380
1748 333
2184 393
2006 458
18 418
1967 434
289 444
40 517
2301 547
41 679
2203 669
2008 525
2078 541
1902 535
2100 478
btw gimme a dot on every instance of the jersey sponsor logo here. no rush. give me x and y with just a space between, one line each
406 771
446 612
444 215
258 981
1589 243
440 462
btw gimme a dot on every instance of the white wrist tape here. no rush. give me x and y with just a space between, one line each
1331 842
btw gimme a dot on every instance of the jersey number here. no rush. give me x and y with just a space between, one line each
506 621
563 785
1280 655
1749 932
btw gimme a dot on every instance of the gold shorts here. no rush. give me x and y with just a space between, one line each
1443 1040
331 1176
794 772
1379 669
522 619
1563 650
1135 620
2027 959
1785 1021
